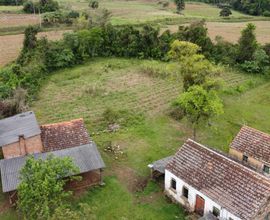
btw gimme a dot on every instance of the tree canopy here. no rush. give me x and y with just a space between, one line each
247 43
199 105
193 66
41 189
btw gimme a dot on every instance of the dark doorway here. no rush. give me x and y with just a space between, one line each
199 207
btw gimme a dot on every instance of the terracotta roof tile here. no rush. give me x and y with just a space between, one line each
235 187
253 143
64 135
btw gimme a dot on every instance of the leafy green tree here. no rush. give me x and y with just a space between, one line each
197 33
193 66
93 4
247 44
199 106
225 12
180 5
41 190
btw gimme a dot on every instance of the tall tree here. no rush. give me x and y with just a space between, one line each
199 106
41 190
194 68
180 5
247 44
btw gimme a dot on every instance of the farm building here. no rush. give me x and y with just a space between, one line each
21 135
214 185
252 147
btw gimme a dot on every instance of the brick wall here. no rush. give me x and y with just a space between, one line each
23 147
88 179
251 161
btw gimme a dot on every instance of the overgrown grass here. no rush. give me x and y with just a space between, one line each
113 201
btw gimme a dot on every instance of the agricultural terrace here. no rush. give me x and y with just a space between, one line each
148 133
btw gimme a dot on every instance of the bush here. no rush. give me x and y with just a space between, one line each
266 13
58 56
59 17
41 6
122 118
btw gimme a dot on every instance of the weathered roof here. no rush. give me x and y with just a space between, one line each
22 124
64 135
160 165
233 186
86 157
253 143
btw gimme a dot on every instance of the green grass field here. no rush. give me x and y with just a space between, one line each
87 90
10 9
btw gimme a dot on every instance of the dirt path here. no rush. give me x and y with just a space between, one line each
10 45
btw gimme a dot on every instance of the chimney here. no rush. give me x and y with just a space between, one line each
22 145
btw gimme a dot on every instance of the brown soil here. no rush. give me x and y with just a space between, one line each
130 179
13 20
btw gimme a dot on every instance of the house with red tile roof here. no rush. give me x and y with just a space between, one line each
21 135
252 147
215 186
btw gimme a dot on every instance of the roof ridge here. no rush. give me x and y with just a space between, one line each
62 122
254 129
227 158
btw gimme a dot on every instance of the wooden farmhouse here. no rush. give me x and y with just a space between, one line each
21 136
219 186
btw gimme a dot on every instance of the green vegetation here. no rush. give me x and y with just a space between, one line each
41 189
123 80
252 7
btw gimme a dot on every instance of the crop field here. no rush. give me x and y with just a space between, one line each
231 31
10 45
13 20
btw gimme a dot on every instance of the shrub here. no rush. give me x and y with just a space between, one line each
58 56
59 17
93 4
225 12
266 13
41 6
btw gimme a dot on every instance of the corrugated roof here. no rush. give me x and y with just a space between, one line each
86 157
160 165
253 143
240 190
63 135
22 124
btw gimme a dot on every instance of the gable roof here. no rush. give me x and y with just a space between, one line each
253 143
86 157
64 135
24 124
233 186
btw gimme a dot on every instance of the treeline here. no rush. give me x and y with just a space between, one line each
251 7
39 58
11 2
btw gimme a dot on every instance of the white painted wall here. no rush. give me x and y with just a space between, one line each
177 195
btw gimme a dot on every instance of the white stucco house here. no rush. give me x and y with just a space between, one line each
214 185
